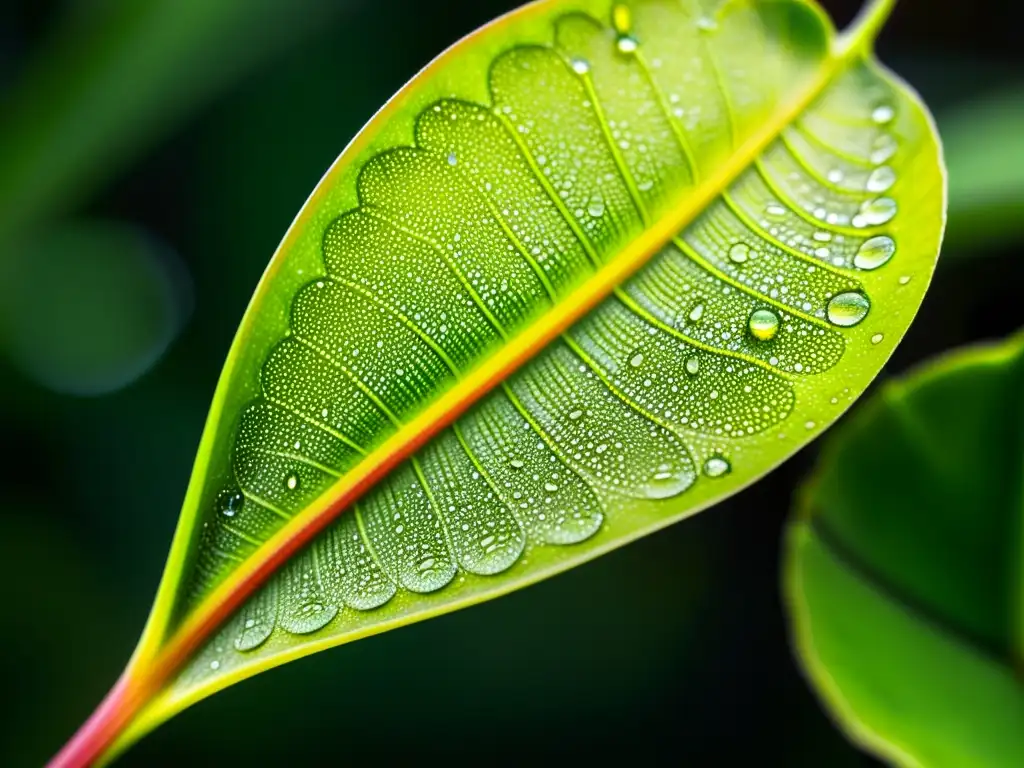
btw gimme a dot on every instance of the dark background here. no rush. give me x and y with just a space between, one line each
673 649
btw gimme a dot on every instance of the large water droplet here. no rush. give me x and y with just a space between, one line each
692 365
668 481
739 253
596 208
874 252
875 212
627 44
637 360
881 179
717 466
848 309
230 504
697 313
877 338
763 324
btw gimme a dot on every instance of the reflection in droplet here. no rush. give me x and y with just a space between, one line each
717 466
848 309
596 208
874 252
881 179
763 324
739 253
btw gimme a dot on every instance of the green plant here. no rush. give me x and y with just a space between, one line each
606 284
904 577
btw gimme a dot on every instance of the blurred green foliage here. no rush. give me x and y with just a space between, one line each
906 572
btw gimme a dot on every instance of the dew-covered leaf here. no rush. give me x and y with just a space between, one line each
904 576
596 268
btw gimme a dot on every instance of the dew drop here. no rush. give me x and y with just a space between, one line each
904 279
835 175
874 252
882 148
580 66
697 313
692 365
596 208
637 360
452 159
231 504
574 415
883 114
875 212
214 665
775 210
763 324
881 179
877 338
717 466
848 309
516 463
292 482
627 44
550 487
739 253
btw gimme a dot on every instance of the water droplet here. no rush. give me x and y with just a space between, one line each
763 324
904 279
637 360
775 210
883 114
835 175
516 463
596 208
810 425
622 19
707 23
716 466
452 159
874 252
580 66
292 482
627 44
692 365
877 338
882 148
848 309
575 414
875 212
881 179
697 313
739 253
214 665
231 504
550 487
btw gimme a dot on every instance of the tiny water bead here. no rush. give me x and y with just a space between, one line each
739 253
877 338
697 313
874 252
580 66
883 114
848 309
763 324
627 44
637 360
292 482
231 503
904 279
875 212
717 466
692 365
880 179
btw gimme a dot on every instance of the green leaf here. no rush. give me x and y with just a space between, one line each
596 268
904 573
986 170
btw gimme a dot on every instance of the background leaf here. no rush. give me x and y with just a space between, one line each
904 581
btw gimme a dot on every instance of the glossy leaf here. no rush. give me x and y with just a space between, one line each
597 267
904 566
